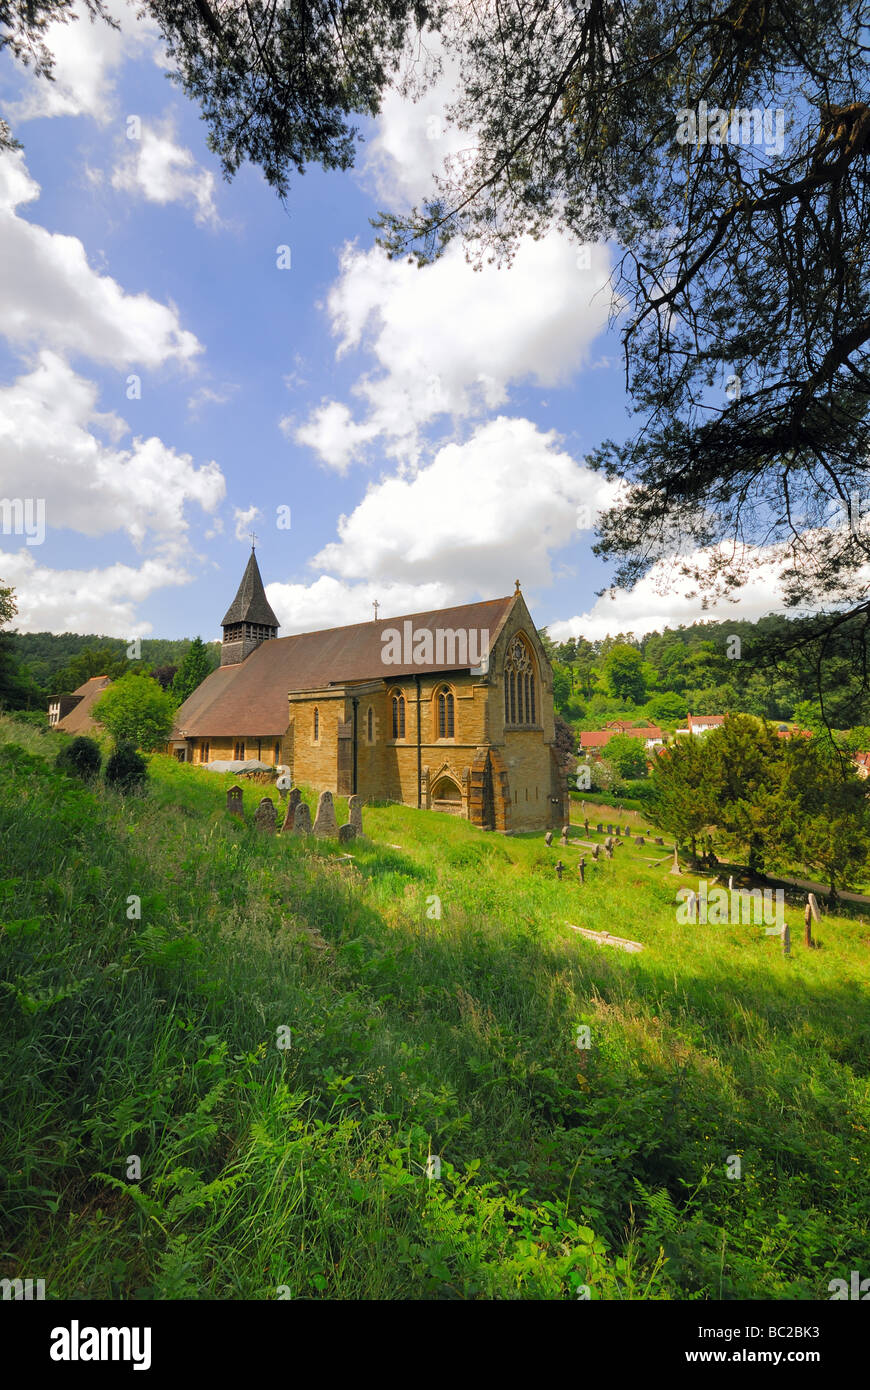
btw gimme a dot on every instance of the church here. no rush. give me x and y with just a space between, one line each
448 711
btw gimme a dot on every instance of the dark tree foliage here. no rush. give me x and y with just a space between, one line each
81 758
740 280
126 769
279 82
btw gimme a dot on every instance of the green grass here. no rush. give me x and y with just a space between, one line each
303 1169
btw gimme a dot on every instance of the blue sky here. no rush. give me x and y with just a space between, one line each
427 429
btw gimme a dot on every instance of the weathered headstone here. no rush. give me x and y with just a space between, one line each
234 801
814 907
586 825
302 819
608 847
599 827
266 816
658 840
675 867
346 833
324 822
354 812
560 869
548 838
284 784
639 840
565 829
293 800
596 850
581 870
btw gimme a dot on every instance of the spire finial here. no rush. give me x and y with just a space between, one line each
253 536
517 589
375 606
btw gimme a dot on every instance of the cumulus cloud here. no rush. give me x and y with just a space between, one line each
157 168
507 497
243 517
451 340
49 449
665 598
98 600
413 140
330 602
50 294
88 55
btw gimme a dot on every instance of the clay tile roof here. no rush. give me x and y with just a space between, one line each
249 699
706 719
250 604
596 738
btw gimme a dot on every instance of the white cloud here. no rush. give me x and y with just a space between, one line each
666 598
332 602
87 57
158 169
50 294
451 340
476 515
48 449
413 139
100 601
243 519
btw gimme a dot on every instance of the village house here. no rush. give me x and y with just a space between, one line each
450 710
72 713
700 723
594 740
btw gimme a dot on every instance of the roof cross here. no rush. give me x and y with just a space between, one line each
375 606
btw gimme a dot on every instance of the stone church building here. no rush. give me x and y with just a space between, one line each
449 711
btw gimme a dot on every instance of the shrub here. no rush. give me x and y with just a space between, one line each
81 758
126 768
36 718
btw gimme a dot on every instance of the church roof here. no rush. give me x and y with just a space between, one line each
249 699
250 604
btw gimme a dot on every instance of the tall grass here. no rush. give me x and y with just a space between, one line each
301 1170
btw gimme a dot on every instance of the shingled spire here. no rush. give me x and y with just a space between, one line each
249 620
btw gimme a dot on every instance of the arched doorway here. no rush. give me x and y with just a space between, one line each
446 796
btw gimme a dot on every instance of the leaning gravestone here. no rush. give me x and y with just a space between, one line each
346 833
293 801
548 838
265 816
302 819
234 801
324 821
354 808
565 829
596 850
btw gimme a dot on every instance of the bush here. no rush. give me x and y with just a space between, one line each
36 718
126 768
81 758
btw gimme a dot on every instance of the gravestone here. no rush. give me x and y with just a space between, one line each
293 801
346 833
596 850
354 813
581 870
560 869
586 826
639 840
324 822
265 816
548 838
675 867
284 784
599 827
234 801
302 819
565 829
658 840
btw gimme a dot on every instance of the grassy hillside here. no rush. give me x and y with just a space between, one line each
303 1169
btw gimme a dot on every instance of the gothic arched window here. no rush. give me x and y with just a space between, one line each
369 723
520 693
316 725
445 713
398 716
